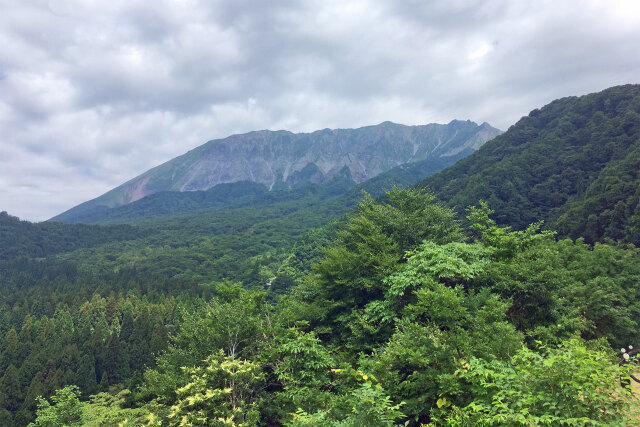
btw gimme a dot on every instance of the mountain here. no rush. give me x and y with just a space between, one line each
331 199
282 160
574 164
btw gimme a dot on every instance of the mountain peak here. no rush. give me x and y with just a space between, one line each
282 158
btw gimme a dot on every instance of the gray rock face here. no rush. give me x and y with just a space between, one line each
276 158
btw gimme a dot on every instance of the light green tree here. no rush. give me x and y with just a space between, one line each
223 392
65 411
575 384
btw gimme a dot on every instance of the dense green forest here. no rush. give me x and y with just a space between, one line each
25 239
148 274
324 306
573 163
405 316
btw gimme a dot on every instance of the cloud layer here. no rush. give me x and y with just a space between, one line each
93 93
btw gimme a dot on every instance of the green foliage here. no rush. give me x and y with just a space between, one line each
437 323
106 409
120 296
507 243
235 317
301 360
221 393
98 342
108 282
372 244
410 216
65 411
300 366
561 288
306 251
167 203
366 405
573 163
102 409
231 322
441 303
573 384
24 239
405 318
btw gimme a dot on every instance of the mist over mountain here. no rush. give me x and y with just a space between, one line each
282 160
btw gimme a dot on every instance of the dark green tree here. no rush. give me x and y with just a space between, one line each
11 388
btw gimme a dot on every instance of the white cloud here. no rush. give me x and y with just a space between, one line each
480 50
93 93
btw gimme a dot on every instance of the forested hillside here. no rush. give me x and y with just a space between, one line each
25 239
161 265
573 163
406 318
223 196
319 305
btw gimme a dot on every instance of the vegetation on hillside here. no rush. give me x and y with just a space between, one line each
573 163
405 316
299 311
25 239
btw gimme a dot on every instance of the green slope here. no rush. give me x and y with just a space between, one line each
25 239
572 163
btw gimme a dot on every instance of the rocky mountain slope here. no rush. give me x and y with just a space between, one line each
281 159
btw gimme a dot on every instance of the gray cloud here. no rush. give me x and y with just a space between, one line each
95 93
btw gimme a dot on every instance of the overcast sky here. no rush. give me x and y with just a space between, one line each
95 92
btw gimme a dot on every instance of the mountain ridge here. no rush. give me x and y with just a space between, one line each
282 159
